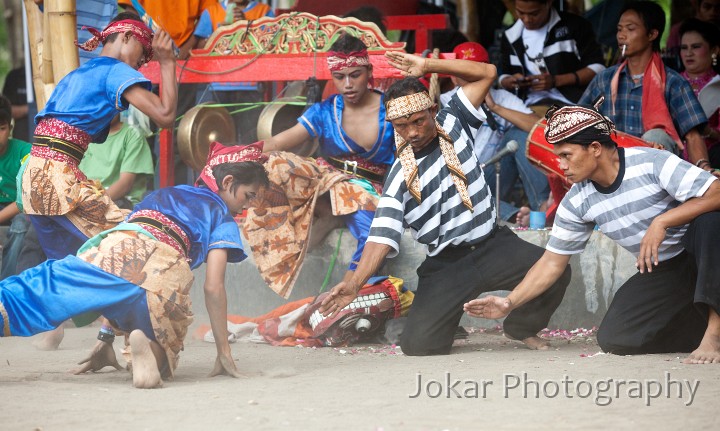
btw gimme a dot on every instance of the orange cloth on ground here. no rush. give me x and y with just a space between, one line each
273 326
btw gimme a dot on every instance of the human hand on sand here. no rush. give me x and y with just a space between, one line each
225 365
102 355
489 307
408 64
340 296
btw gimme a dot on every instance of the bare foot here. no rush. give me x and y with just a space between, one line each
145 370
50 340
536 343
522 218
708 352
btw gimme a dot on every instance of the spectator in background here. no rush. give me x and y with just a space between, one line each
699 51
15 89
549 57
644 97
705 10
180 19
236 92
12 153
509 119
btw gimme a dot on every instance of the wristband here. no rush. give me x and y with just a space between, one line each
107 338
577 79
106 334
701 161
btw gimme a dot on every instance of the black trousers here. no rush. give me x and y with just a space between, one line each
666 310
457 275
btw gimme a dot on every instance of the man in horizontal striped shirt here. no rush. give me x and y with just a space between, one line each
436 188
660 208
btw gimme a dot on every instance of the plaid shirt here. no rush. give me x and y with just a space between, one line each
683 105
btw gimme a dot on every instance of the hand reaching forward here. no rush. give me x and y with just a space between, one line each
340 296
489 307
102 355
408 64
225 365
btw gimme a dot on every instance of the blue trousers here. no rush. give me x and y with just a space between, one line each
358 223
43 297
57 235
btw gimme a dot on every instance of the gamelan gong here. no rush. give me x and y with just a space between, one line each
280 116
200 126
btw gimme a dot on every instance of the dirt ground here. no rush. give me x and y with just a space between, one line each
488 382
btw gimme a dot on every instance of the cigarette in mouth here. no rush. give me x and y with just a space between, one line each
623 50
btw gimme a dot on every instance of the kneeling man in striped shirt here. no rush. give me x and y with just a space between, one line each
436 188
657 206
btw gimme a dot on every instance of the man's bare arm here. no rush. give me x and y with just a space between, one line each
522 120
122 186
539 278
287 140
216 304
344 292
10 211
678 216
160 109
479 76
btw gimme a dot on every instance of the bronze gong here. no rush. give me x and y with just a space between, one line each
280 116
200 126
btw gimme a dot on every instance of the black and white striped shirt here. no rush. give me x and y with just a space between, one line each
649 183
440 219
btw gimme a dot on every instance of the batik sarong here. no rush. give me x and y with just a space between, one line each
277 229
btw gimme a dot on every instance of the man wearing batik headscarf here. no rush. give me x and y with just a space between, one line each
657 206
64 206
138 275
436 189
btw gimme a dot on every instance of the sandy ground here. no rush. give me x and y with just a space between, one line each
367 387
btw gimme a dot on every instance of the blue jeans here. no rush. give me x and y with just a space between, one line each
512 167
12 246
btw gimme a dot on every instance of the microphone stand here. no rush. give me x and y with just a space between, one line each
497 191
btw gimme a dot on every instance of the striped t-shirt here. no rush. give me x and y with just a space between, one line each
441 218
649 183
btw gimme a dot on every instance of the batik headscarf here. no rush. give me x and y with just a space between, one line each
578 125
341 60
404 107
220 154
141 32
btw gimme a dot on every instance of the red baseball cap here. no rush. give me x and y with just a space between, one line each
471 51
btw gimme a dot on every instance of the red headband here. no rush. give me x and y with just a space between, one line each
220 154
340 60
141 32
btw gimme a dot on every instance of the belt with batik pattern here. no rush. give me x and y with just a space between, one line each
163 229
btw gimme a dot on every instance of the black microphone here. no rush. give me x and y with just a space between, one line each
510 148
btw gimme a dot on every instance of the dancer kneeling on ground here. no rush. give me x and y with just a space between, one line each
660 208
437 189
138 274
